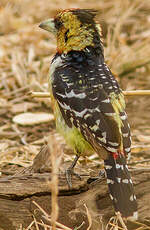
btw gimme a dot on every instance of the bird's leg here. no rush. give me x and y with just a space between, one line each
70 171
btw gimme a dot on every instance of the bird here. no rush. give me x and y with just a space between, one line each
88 103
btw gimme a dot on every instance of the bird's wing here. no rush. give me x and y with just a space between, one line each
100 117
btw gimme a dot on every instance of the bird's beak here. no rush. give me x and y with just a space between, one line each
48 25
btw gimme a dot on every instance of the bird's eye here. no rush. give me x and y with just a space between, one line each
58 23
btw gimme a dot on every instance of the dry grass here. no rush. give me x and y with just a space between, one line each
25 54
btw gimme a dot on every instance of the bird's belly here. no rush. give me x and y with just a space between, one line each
72 136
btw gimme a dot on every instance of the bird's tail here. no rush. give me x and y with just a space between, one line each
121 186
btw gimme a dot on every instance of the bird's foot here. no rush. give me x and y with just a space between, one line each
102 174
69 173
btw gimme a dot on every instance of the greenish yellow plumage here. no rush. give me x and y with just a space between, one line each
72 136
118 104
79 36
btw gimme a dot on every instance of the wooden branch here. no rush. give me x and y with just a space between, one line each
126 93
18 192
137 93
39 94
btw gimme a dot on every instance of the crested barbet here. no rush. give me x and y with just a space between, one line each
88 103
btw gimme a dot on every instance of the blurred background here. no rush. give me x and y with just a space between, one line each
25 55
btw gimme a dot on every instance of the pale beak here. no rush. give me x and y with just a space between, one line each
49 25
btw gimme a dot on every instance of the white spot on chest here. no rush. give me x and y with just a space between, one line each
110 87
56 63
106 100
73 94
64 106
80 114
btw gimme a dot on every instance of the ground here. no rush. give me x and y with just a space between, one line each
25 55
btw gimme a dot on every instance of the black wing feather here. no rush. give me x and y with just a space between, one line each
84 100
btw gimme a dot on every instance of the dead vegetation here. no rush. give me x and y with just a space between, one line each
25 55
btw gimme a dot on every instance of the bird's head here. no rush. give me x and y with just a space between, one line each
75 29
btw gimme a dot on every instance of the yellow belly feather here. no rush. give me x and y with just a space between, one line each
72 136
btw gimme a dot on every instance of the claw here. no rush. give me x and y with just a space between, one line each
70 172
102 174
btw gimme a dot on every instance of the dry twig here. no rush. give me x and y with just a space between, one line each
56 155
89 217
126 93
46 216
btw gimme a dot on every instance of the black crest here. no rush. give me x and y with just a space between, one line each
85 15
